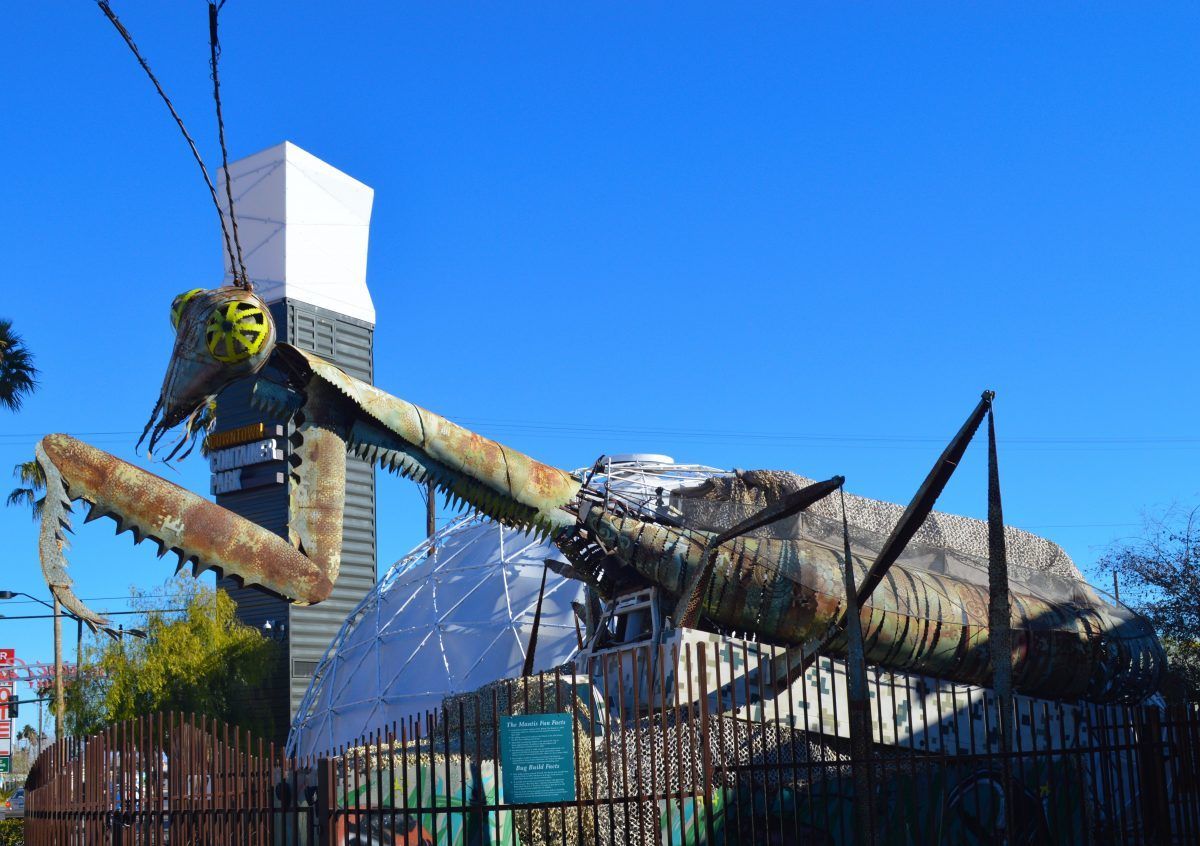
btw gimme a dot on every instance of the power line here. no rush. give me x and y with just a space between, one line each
1078 525
11 602
584 430
640 430
42 434
4 618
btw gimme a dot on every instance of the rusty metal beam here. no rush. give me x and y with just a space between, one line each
797 661
923 501
858 696
531 648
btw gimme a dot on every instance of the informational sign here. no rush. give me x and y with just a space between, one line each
242 435
245 455
8 657
243 466
537 758
244 479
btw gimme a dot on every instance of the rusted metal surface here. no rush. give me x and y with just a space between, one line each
56 521
687 609
922 502
159 779
179 521
658 759
857 693
999 604
791 591
317 494
445 448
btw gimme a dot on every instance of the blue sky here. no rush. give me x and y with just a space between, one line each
800 237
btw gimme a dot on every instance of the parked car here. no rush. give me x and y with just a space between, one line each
15 806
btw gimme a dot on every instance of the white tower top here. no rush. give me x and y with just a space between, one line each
303 225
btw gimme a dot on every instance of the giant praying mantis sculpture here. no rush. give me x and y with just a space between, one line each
784 590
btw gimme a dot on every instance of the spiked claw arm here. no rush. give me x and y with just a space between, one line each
317 495
500 482
52 541
179 521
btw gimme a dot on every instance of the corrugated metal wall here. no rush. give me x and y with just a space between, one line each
349 344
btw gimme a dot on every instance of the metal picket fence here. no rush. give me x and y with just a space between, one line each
685 743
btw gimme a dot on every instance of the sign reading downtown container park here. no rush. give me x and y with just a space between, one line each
537 759
245 458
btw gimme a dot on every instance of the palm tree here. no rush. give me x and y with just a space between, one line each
33 484
29 735
17 373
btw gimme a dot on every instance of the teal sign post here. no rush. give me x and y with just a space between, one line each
537 759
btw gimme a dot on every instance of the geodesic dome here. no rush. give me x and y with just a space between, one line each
456 613
452 615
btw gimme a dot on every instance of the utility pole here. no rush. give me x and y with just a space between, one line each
59 706
430 509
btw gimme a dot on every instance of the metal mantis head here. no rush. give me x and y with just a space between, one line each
221 335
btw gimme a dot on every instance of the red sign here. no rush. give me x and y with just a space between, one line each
8 657
37 674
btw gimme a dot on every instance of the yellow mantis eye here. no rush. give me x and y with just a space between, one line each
236 331
179 302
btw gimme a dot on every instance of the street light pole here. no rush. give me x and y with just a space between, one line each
59 705
60 708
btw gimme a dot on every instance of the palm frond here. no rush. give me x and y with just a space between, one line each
30 473
33 484
18 376
26 497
